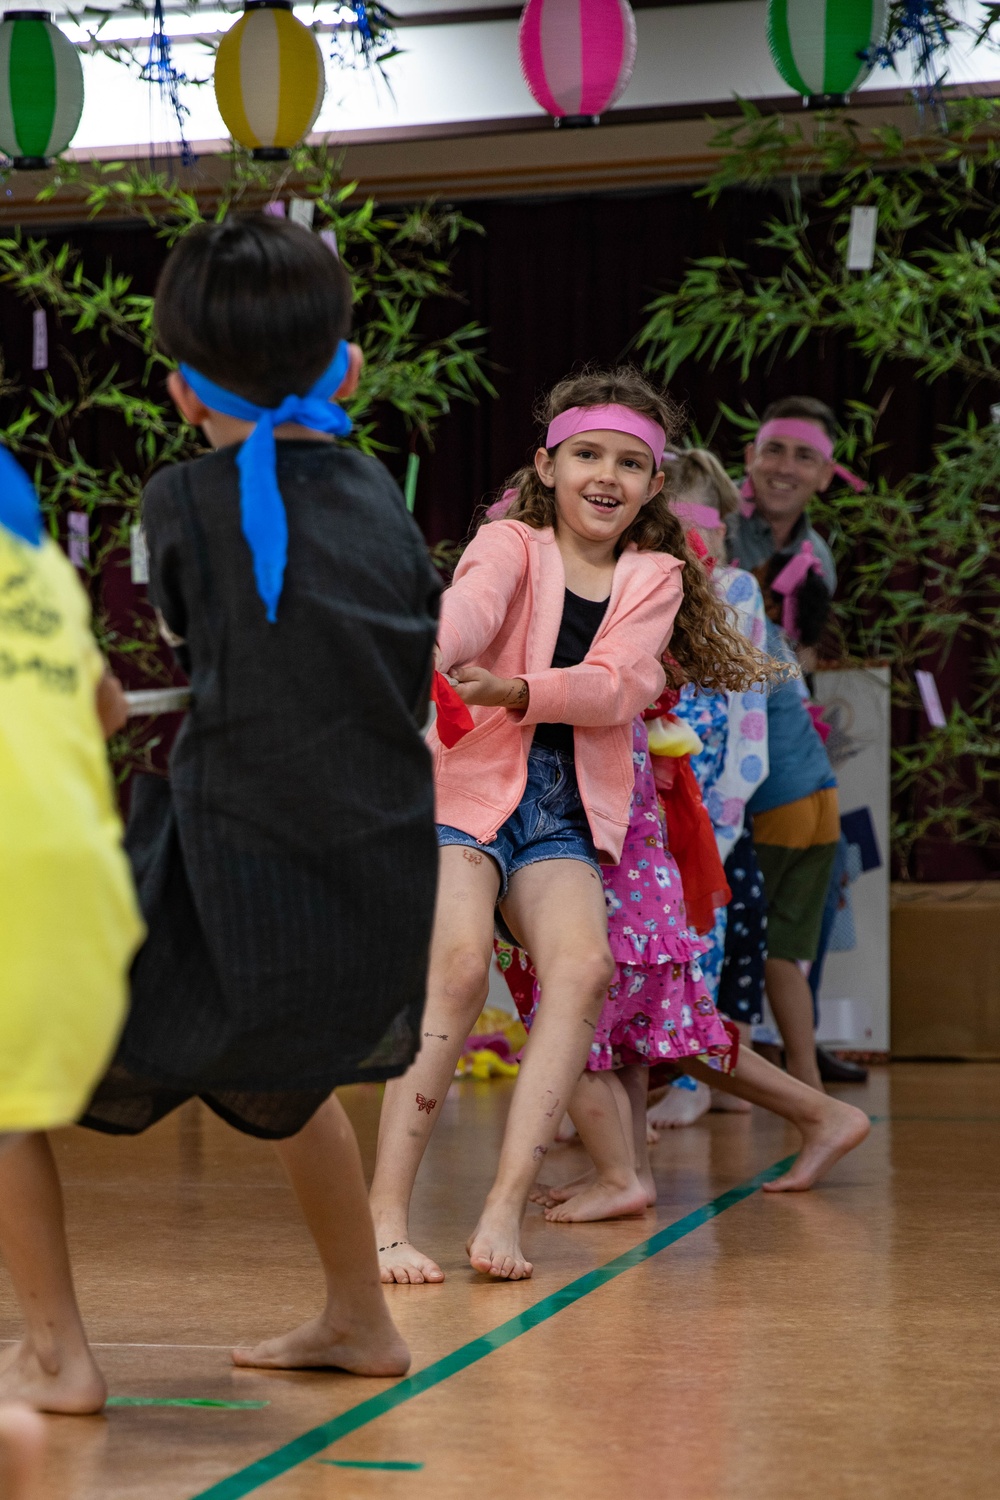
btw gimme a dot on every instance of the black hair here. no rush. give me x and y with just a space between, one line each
807 409
812 600
258 305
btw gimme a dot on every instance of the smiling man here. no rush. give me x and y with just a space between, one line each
788 463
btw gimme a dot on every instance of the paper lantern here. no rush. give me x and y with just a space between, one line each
269 79
824 48
577 56
41 88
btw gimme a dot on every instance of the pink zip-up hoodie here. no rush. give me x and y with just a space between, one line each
503 612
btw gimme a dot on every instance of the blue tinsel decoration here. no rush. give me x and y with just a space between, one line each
159 69
918 28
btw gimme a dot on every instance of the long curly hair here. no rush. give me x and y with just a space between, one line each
706 648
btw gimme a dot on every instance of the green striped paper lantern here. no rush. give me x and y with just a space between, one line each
819 46
41 88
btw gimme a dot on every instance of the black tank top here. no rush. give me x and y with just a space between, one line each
581 620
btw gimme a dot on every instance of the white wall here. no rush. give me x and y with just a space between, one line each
687 55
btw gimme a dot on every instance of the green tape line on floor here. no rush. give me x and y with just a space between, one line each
311 1443
366 1463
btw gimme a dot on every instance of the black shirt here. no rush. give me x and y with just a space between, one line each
581 620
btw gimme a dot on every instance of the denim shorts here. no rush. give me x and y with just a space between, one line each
548 823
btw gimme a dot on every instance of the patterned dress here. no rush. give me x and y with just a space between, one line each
658 1007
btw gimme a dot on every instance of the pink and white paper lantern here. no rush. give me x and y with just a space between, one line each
577 56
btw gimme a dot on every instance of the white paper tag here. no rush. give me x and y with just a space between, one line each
140 554
995 414
931 699
39 340
861 241
79 538
329 238
302 211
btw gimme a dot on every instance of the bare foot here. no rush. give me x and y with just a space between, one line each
22 1450
551 1197
402 1263
680 1107
728 1104
71 1385
566 1131
363 1348
558 1193
837 1129
601 1201
495 1247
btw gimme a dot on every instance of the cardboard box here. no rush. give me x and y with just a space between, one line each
945 969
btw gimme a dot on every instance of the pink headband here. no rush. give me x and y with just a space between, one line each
790 580
611 419
698 515
799 430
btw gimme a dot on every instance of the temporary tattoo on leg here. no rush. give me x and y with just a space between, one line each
550 1112
539 1152
442 1036
427 1104
394 1246
472 856
591 1024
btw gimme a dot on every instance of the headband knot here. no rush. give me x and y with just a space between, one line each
262 510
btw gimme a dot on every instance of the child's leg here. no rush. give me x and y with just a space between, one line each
22 1451
52 1369
557 910
791 1000
729 1104
457 986
635 1082
829 1127
354 1331
600 1107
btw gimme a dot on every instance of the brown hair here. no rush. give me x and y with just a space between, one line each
698 469
706 648
806 409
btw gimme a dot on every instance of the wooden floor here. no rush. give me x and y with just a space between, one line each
841 1343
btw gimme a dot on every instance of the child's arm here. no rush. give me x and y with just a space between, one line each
486 580
621 674
746 762
112 708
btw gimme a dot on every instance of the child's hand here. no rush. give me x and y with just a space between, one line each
112 709
481 689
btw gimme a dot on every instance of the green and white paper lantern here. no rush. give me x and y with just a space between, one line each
41 88
819 46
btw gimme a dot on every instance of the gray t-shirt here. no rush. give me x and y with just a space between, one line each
750 542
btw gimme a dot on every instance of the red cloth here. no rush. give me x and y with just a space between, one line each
691 840
822 728
453 718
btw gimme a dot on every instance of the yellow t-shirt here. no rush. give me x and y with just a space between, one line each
69 923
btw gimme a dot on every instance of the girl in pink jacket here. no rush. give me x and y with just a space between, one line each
553 632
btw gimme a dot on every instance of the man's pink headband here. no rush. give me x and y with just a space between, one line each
610 419
799 430
814 435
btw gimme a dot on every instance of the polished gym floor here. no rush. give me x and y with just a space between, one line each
838 1343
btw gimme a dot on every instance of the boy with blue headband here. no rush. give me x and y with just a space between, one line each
287 869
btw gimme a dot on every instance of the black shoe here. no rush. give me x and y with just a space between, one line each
837 1070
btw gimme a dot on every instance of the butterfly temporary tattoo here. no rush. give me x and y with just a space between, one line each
427 1104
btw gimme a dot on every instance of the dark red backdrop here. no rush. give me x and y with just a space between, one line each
559 282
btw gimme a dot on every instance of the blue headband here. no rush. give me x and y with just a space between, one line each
19 510
262 510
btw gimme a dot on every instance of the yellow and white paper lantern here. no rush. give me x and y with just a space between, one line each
269 79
